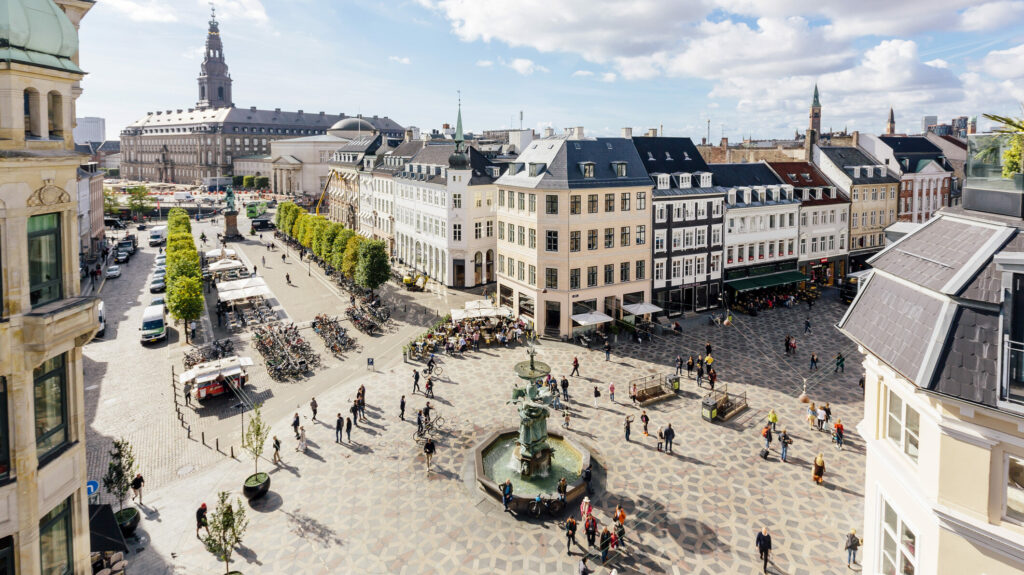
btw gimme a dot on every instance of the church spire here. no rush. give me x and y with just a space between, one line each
214 80
815 103
459 160
890 126
814 118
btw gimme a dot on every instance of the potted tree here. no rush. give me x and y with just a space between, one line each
255 438
227 524
117 482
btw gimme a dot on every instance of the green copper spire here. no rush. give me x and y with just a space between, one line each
816 103
459 160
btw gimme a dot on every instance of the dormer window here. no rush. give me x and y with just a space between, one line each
685 181
587 169
807 177
804 194
663 181
746 196
536 169
832 193
732 197
620 169
705 180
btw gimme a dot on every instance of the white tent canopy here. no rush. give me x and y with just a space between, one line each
220 253
461 314
641 308
244 293
241 284
479 304
225 265
592 318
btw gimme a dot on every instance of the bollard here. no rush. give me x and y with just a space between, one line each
204 437
232 452
216 442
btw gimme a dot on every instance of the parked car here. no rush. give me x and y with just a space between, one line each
160 269
161 259
157 286
141 227
207 200
113 272
159 300
103 321
121 257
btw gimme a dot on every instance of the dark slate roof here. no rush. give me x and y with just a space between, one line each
846 157
563 159
910 145
674 192
436 154
743 175
110 146
363 144
968 366
944 254
987 285
669 155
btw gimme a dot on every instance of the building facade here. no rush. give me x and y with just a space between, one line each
824 222
573 219
377 192
940 324
299 166
761 229
90 130
688 216
872 192
44 517
925 175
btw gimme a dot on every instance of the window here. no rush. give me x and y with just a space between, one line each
677 269
609 202
533 203
701 238
551 241
620 170
856 221
899 544
457 232
478 230
511 234
533 239
574 278
1015 489
574 204
533 275
856 194
591 239
660 213
501 198
456 201
659 242
588 170
624 272
522 236
716 236
903 424
551 204
551 278
574 241
624 202
55 540
609 274
522 200
716 262
591 276
44 259
641 201
490 229
659 270
592 203
501 263
609 238
640 269
51 413
641 235
522 269
624 236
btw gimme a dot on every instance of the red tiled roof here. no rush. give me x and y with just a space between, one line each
800 174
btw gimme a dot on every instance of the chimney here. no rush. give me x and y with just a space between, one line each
856 138
300 112
627 132
549 132
252 108
725 143
408 135
578 133
179 110
809 141
652 133
321 113
704 141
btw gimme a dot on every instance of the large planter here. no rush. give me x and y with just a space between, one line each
128 520
256 485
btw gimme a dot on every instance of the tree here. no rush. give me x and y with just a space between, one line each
327 241
1012 156
111 205
262 182
237 181
183 263
338 248
139 201
373 268
351 257
227 525
185 299
248 182
120 472
256 437
178 221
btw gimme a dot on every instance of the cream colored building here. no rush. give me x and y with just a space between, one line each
941 323
573 225
44 521
299 165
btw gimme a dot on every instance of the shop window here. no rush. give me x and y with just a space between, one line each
55 540
7 552
5 441
44 259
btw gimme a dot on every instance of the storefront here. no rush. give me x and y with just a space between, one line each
825 271
679 300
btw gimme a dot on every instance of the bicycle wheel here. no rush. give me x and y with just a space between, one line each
438 370
556 506
437 423
535 508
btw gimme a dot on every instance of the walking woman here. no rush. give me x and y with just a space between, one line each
812 416
302 439
597 394
819 468
689 368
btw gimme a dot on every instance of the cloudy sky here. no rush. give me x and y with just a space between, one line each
748 66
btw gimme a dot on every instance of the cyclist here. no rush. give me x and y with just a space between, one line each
430 365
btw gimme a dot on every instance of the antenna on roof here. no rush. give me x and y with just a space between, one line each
520 120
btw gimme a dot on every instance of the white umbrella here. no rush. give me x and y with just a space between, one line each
641 308
225 265
241 284
592 318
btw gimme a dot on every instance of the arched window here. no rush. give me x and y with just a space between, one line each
220 92
55 114
33 125
202 92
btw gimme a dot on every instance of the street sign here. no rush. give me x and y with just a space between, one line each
91 487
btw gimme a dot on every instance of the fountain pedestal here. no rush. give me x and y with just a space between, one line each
533 463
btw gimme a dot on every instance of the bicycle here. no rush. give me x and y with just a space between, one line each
551 506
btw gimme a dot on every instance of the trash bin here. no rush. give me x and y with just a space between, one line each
709 409
672 381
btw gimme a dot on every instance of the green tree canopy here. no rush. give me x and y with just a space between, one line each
373 268
120 471
183 263
139 201
351 257
248 182
185 299
227 525
261 182
1012 156
237 181
338 247
111 205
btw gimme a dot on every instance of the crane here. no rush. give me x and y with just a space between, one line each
324 192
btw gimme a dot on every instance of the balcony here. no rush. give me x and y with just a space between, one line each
71 321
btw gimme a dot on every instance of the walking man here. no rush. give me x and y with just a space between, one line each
588 475
814 361
415 381
428 451
807 326
764 546
626 426
646 420
607 350
840 363
506 493
401 409
312 407
852 544
354 410
575 367
670 434
137 484
277 451
590 528
201 522
565 388
295 424
700 373
339 428
784 441
570 534
419 422
679 365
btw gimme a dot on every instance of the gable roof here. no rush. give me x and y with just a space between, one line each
669 155
846 158
744 175
563 161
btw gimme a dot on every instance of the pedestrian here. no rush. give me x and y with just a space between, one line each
586 509
588 476
282 258
415 381
679 365
295 424
597 394
611 391
348 429
838 431
670 434
607 350
786 345
773 419
861 384
264 259
814 361
626 425
784 441
339 428
620 534
565 415
401 409
302 440
818 473
590 528
419 422
606 540
852 544
828 412
689 367
583 568
354 410
707 348
429 387
201 522
712 377
575 367
661 438
646 420
287 277
476 341
565 388
807 326
840 363
137 484
766 433
821 418
428 452
764 546
192 328
562 489
570 535
187 391
506 493
312 407
700 373
277 451
620 515
812 415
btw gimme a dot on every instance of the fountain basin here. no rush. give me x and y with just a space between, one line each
495 461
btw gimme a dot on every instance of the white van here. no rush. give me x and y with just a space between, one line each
154 324
103 322
158 235
184 197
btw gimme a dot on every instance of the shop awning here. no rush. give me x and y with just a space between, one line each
241 284
641 308
104 534
770 280
592 318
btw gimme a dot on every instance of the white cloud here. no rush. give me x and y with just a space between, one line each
992 15
582 74
144 10
1006 64
194 53
608 77
938 63
525 66
484 63
400 59
239 9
